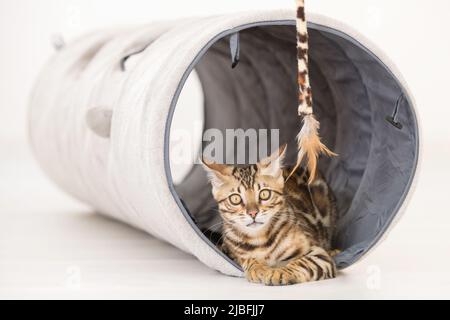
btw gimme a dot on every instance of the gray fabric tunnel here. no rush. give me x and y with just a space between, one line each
119 113
364 112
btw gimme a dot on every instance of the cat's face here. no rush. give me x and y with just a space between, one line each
249 197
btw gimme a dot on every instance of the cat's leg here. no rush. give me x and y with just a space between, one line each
317 264
322 197
325 204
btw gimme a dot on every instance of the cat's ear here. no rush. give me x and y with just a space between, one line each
273 165
217 172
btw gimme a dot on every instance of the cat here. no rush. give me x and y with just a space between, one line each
278 231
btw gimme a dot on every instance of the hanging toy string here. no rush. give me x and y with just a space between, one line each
308 141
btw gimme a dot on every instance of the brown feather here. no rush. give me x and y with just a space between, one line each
310 147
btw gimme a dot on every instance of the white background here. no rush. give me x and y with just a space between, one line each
52 246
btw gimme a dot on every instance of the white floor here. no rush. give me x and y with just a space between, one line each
54 247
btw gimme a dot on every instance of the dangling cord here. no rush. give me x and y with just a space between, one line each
308 141
394 117
234 49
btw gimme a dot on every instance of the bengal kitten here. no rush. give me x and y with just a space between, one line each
278 231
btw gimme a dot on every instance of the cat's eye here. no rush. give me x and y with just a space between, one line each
235 199
265 194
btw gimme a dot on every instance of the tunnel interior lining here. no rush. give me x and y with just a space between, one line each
353 94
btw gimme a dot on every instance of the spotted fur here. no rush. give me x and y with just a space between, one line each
279 232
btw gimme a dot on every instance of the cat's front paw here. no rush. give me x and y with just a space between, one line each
255 274
254 271
278 277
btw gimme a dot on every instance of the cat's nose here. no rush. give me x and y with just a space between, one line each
252 213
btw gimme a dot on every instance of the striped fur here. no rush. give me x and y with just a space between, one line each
309 145
279 232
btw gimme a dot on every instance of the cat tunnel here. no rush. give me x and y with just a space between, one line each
101 120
